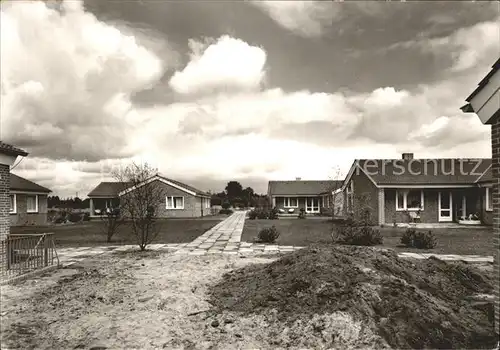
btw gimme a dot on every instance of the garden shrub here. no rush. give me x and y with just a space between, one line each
268 235
262 215
86 217
226 205
358 233
273 214
417 239
74 217
252 215
302 213
225 211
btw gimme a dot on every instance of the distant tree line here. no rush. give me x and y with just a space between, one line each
67 203
235 195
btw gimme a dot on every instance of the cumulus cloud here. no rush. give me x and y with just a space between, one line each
228 64
467 48
306 18
70 98
67 79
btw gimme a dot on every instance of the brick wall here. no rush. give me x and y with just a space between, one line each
487 215
4 200
192 204
23 218
363 186
429 214
495 146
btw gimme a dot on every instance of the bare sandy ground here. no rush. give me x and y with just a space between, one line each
137 301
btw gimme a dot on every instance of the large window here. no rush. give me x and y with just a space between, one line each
409 200
13 204
290 202
32 204
489 198
175 202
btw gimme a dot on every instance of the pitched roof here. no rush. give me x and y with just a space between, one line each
186 186
485 80
9 149
445 171
302 188
111 189
108 189
21 184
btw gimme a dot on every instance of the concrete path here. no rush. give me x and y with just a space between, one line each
225 238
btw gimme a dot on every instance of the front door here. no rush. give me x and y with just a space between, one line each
312 205
445 206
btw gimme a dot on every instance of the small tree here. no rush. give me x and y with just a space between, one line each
140 204
112 220
334 193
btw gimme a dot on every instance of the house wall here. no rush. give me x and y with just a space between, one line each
363 186
301 204
23 218
192 205
4 200
429 214
486 215
495 147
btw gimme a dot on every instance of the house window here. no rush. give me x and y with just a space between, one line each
290 202
32 204
489 199
13 204
409 200
175 202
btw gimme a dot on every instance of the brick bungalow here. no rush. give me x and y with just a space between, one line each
8 155
181 200
422 190
315 196
485 102
28 202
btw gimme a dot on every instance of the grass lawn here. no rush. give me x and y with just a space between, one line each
91 233
466 241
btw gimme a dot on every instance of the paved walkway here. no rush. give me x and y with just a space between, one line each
225 238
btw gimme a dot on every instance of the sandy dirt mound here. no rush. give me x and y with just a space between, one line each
341 297
124 301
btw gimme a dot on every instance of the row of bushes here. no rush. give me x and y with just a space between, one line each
263 214
361 234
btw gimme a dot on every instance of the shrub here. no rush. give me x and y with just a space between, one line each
354 232
273 214
302 213
252 215
59 220
262 215
417 239
225 211
359 235
86 217
226 205
268 235
74 217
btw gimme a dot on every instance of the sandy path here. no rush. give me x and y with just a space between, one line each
125 300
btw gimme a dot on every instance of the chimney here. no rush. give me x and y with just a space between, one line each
407 156
298 178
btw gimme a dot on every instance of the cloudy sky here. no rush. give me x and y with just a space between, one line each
254 91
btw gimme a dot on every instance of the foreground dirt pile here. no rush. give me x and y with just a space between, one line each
343 296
